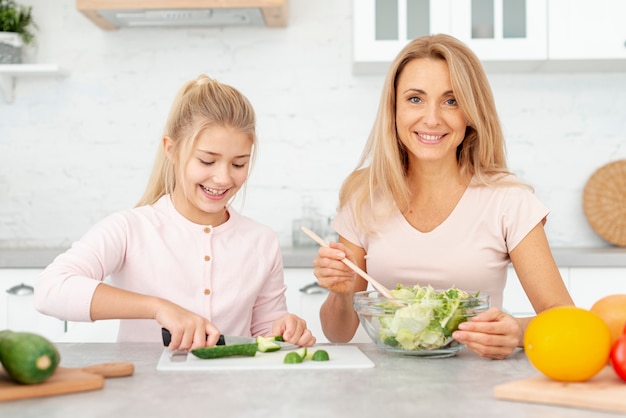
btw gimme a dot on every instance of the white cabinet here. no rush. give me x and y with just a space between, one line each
17 312
507 35
587 30
587 285
307 305
515 300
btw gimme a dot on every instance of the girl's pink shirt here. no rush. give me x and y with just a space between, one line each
231 274
469 250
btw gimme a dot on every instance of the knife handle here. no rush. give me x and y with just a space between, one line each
167 338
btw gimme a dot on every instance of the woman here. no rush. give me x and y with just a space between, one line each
433 203
183 259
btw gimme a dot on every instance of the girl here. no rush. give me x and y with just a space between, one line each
183 259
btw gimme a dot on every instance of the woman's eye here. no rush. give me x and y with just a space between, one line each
451 102
414 99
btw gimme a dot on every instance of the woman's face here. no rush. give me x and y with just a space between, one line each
217 169
429 121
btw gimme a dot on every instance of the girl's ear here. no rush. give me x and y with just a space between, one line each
168 147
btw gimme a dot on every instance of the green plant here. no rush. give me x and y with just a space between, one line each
17 18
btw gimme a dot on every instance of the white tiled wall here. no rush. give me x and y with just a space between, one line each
74 149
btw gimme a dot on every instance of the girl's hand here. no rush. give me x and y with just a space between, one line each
331 272
189 331
293 330
492 334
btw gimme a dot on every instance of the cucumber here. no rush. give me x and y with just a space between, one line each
28 358
248 350
320 355
292 358
301 352
267 344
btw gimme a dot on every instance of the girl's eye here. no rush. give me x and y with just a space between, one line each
205 162
239 165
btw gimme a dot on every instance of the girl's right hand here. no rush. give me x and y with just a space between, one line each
332 273
189 331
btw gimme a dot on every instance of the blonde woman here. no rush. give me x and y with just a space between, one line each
183 259
432 202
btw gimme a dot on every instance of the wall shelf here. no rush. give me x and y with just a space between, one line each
10 72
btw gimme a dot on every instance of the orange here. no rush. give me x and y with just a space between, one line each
567 343
612 309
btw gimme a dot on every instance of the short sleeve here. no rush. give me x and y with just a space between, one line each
522 211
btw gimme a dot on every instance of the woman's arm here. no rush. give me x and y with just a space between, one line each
495 334
338 318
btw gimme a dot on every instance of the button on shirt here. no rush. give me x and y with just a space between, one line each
231 274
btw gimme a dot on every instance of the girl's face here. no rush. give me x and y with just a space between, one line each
217 169
429 121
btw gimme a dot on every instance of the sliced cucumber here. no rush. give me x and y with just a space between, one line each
292 358
267 344
320 355
301 352
248 350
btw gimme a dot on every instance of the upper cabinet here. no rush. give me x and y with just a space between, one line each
587 30
507 35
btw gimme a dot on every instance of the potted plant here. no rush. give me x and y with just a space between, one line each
16 30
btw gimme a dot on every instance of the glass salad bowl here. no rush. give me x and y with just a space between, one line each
419 321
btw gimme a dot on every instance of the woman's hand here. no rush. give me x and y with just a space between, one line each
293 330
189 331
491 334
332 273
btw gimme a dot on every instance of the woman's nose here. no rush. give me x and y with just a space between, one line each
432 115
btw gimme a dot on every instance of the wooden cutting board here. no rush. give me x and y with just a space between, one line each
341 357
64 380
605 392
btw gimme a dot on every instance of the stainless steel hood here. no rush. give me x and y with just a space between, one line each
114 14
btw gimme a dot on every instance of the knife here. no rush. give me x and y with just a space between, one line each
227 340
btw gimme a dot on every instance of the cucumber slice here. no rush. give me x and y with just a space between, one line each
320 355
301 352
267 344
248 350
292 358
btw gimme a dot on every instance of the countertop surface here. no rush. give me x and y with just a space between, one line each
398 386
303 257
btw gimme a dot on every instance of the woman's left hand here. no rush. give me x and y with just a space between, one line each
293 330
491 334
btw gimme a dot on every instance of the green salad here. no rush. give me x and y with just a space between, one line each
428 319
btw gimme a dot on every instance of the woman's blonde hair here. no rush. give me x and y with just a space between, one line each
199 104
383 166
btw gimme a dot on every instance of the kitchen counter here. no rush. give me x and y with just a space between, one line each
303 257
397 386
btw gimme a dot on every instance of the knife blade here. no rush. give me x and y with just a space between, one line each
226 340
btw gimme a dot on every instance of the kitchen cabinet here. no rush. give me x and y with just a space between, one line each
507 35
586 30
17 312
307 305
585 284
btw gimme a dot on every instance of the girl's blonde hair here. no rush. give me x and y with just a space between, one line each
383 166
199 104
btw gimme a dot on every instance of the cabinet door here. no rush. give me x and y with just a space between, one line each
515 300
585 29
381 28
17 312
499 30
307 305
588 285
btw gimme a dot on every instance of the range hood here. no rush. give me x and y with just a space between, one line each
114 14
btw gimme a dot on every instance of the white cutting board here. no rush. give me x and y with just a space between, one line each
341 357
